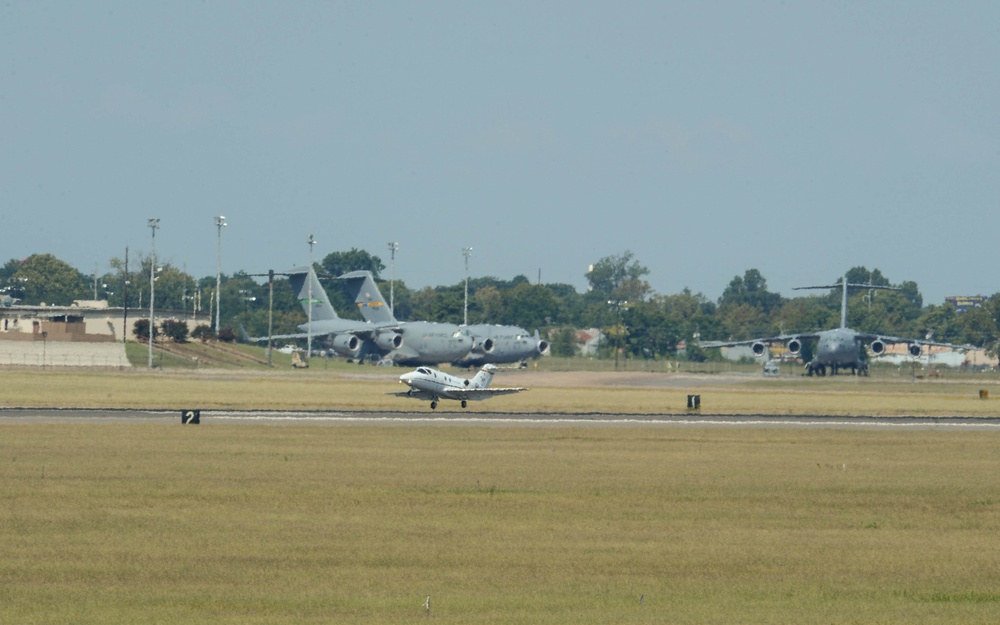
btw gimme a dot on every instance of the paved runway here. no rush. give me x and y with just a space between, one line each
494 419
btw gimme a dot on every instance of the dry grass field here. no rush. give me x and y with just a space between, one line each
350 387
161 523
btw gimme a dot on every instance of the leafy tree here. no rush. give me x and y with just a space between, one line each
45 278
694 316
939 323
652 332
861 275
976 326
745 321
563 342
443 304
619 278
338 263
9 269
489 304
530 306
402 297
805 314
992 308
750 290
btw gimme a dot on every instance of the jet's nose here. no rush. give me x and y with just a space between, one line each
407 378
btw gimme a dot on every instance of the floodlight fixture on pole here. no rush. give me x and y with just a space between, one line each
309 277
220 223
467 252
153 223
393 246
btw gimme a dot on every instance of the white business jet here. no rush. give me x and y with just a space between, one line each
430 384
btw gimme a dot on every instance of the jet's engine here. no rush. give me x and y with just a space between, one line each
758 348
914 349
794 346
878 346
347 345
543 347
484 346
389 341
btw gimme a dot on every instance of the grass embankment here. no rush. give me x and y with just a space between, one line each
117 523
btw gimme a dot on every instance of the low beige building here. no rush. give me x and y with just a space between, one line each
88 333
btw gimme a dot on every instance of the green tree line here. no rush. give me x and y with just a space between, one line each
619 301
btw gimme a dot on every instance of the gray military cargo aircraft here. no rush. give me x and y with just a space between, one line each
501 344
493 344
409 343
839 348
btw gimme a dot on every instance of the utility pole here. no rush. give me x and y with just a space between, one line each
153 223
270 309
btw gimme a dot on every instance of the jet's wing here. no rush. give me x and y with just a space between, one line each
480 393
472 394
413 394
897 339
360 329
300 335
784 338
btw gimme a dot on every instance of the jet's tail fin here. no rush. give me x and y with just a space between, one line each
484 378
372 306
311 294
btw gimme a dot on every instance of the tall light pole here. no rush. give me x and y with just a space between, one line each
220 223
153 223
620 330
309 276
467 252
393 246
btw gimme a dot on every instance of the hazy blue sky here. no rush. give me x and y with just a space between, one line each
798 138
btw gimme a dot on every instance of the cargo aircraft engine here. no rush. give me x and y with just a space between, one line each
758 348
794 346
347 345
878 346
914 349
483 347
389 341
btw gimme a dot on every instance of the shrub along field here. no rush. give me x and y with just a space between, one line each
124 523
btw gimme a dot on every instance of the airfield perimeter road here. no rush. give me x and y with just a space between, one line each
491 419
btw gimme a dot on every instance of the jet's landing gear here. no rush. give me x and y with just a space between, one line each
434 404
464 403
815 368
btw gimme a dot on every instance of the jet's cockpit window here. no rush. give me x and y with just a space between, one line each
423 371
